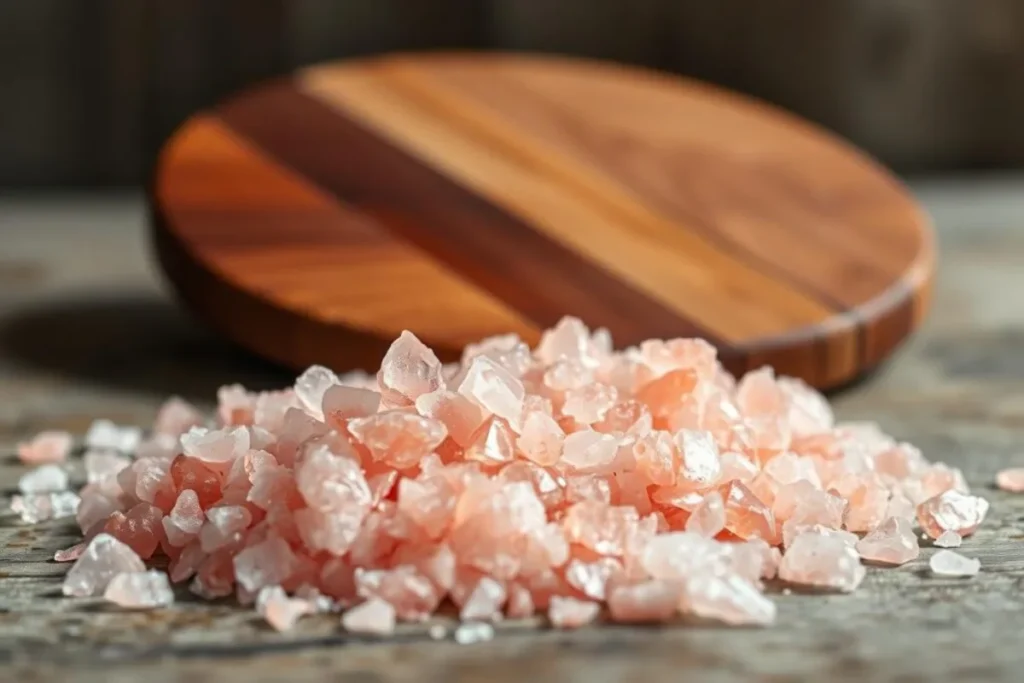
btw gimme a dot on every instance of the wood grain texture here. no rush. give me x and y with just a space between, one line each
456 195
98 337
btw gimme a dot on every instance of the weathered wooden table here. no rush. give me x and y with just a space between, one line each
86 330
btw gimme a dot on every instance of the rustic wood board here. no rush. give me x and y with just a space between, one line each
314 218
81 338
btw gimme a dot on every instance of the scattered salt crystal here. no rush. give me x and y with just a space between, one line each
948 539
728 598
105 435
281 611
822 560
891 543
572 612
952 511
1011 480
471 633
375 616
40 507
949 563
103 559
44 479
143 589
45 447
69 554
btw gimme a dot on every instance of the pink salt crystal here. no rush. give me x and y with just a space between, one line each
822 560
788 468
331 482
413 595
187 562
235 405
939 478
589 404
373 617
520 602
629 416
491 444
409 369
217 446
541 438
430 504
461 416
948 539
737 466
745 515
494 389
399 439
139 590
952 511
566 375
45 447
893 542
657 459
176 416
269 411
102 464
698 454
709 517
592 578
40 507
1011 480
264 564
678 555
570 613
473 632
727 598
43 479
141 530
105 435
666 394
809 411
949 563
484 602
341 403
281 611
647 601
589 452
507 350
69 554
601 528
103 559
185 519
223 526
569 338
311 386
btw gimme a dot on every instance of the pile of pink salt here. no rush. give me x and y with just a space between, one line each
570 480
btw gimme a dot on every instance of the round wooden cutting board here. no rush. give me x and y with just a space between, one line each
313 218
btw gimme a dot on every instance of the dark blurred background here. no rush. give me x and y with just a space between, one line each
89 88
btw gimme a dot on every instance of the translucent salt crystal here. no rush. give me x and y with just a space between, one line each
491 444
1011 479
331 482
235 405
569 339
566 375
727 598
589 404
139 590
374 617
102 464
70 554
949 563
471 633
709 517
281 611
601 528
520 602
103 559
409 370
746 515
568 613
217 446
893 542
648 601
822 560
176 416
460 416
809 411
185 520
948 539
952 511
105 435
341 403
484 602
264 564
657 459
589 452
494 389
43 479
540 438
698 456
45 448
311 386
40 507
593 578
664 396
400 439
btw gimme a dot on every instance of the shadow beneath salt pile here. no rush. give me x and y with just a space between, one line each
138 343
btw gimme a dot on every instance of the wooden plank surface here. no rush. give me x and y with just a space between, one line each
86 337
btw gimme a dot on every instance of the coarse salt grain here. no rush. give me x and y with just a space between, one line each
949 563
1011 480
46 447
562 480
948 539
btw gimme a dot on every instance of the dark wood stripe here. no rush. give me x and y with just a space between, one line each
489 246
